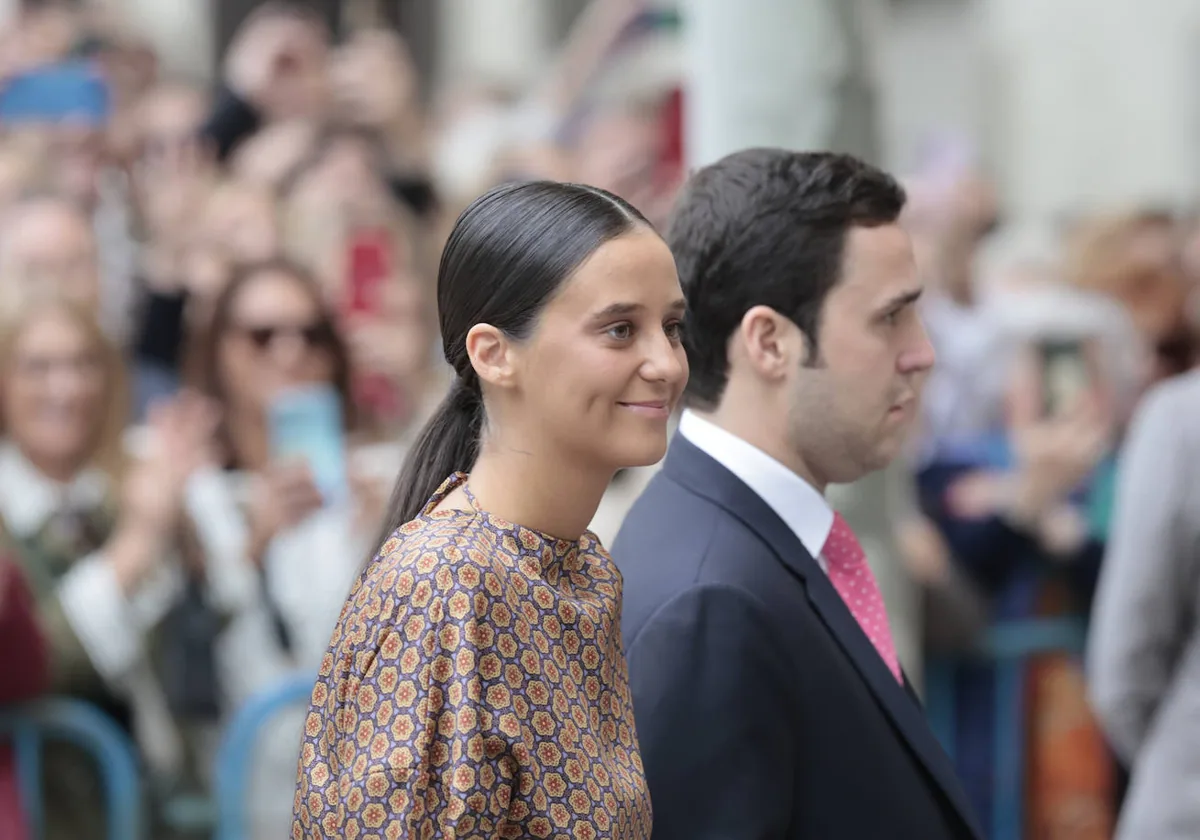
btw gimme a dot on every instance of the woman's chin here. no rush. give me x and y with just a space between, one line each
644 454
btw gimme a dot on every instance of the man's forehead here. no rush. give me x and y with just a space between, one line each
878 263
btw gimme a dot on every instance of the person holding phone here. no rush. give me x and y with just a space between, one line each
479 655
298 494
1024 512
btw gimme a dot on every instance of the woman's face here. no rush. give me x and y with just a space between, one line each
277 338
54 391
604 368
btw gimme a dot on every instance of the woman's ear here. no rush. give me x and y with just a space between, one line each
490 353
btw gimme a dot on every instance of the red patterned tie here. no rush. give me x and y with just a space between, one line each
854 581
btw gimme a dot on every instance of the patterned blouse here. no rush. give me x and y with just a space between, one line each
475 687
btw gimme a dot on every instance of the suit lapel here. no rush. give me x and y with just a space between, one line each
699 473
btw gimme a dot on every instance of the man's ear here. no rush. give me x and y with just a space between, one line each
771 344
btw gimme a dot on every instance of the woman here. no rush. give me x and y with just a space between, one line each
271 334
95 535
290 551
476 682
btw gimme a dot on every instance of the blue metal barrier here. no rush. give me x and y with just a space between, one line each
76 722
235 758
1007 646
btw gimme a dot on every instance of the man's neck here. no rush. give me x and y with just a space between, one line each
764 432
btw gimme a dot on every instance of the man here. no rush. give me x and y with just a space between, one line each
768 696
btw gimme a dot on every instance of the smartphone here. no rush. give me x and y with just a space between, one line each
307 423
71 92
1066 374
369 263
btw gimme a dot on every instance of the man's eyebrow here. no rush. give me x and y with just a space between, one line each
902 300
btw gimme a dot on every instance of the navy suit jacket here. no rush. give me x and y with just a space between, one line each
763 711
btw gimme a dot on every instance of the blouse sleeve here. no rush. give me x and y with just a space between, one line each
428 742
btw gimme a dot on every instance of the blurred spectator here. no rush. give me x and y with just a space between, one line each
335 191
266 518
94 532
1136 259
953 209
87 171
276 68
1143 652
279 69
341 223
1026 515
170 159
48 248
171 178
621 150
375 89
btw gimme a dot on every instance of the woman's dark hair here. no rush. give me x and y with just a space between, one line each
509 253
207 373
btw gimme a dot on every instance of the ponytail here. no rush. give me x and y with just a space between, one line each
449 443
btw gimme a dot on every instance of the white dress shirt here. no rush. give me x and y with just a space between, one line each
804 510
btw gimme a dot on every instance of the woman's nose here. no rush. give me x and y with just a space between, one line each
665 361
288 351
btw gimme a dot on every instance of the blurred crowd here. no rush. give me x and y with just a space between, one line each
1026 504
174 257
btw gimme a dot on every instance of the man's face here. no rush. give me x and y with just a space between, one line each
854 401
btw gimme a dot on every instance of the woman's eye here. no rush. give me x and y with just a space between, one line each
674 330
620 332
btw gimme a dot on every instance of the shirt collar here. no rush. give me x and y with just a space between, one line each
28 498
804 510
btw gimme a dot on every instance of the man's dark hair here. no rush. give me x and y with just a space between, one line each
767 227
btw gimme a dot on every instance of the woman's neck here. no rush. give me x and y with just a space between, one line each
246 433
536 490
61 470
